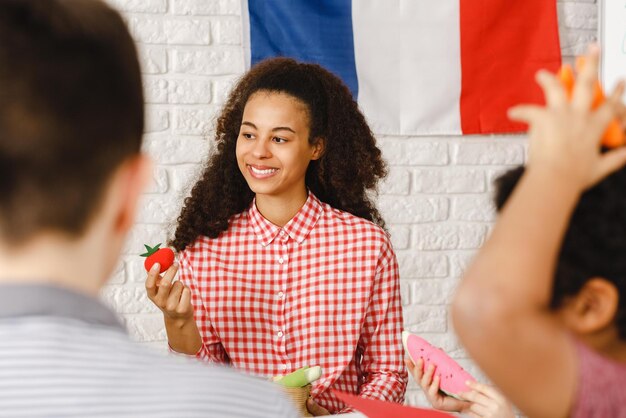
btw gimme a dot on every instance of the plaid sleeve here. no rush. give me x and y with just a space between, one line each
212 350
385 376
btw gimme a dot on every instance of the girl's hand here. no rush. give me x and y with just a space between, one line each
565 135
430 386
315 409
487 402
174 300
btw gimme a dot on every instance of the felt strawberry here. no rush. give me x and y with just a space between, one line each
163 256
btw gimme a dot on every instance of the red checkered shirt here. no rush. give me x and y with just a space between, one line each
322 290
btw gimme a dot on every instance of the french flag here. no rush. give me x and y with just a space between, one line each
417 67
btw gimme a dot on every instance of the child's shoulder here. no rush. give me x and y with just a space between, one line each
600 385
595 363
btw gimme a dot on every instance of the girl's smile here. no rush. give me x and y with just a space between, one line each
261 172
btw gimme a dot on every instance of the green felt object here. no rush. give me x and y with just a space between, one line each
295 379
301 377
150 250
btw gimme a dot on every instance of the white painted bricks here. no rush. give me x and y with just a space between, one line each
436 201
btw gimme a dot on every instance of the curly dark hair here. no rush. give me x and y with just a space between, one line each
595 241
350 166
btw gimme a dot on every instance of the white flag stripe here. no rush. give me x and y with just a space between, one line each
392 39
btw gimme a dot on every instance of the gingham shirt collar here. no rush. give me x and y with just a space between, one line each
298 228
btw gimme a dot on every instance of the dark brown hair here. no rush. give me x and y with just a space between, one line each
595 242
71 111
350 166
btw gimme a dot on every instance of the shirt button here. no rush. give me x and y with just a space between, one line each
280 333
280 295
280 260
284 367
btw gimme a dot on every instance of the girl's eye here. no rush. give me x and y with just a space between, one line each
247 136
279 140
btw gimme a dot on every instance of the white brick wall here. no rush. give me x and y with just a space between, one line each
436 200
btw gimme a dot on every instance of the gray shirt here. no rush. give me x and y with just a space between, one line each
64 354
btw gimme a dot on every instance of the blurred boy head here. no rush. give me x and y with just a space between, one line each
590 273
71 123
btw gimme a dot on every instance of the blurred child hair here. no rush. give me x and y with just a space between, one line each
595 241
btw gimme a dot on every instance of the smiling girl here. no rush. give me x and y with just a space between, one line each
284 261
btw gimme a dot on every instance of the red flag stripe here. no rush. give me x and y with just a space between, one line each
503 44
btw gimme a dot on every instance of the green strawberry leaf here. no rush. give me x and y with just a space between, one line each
150 250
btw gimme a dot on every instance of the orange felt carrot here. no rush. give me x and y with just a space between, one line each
614 135
566 76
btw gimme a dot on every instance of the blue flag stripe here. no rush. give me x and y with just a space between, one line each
315 31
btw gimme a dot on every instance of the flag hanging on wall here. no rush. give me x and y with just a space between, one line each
417 67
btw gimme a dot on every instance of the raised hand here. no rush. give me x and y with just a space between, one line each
565 135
